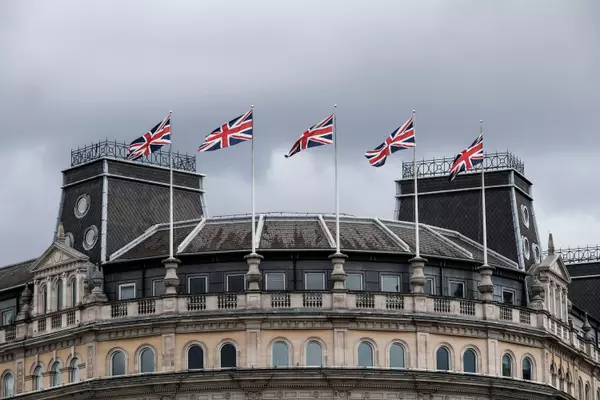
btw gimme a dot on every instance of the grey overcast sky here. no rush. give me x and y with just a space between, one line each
72 72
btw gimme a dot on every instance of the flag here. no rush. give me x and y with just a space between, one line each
151 141
468 158
402 138
317 135
235 131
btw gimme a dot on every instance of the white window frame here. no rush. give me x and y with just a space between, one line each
432 279
154 287
123 285
227 281
272 273
362 286
189 281
464 286
306 281
514 293
399 282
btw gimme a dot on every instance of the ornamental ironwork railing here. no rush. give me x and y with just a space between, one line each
118 150
578 254
441 166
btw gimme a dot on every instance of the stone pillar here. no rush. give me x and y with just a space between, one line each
171 280
588 338
65 290
97 295
486 287
538 294
36 293
254 280
417 276
338 276
24 305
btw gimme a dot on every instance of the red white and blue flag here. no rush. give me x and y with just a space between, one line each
402 138
468 158
317 135
151 141
235 131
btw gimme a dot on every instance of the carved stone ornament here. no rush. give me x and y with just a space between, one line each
280 395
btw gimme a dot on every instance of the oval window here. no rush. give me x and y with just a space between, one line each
82 205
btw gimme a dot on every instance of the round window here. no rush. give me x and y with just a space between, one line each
90 237
69 240
537 256
82 205
525 215
526 248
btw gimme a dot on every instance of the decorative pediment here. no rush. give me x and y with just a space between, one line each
58 255
554 264
559 269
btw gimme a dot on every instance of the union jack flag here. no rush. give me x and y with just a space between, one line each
151 141
235 131
402 138
317 135
468 158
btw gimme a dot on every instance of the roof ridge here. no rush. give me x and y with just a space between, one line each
326 231
450 242
390 233
147 233
185 242
259 228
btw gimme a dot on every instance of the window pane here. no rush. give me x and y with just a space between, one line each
527 369
147 361
396 356
74 373
281 354
8 388
506 365
197 285
38 382
443 359
59 295
507 297
56 374
457 289
235 283
314 281
126 292
73 293
45 299
158 287
118 363
354 282
314 354
390 283
275 281
7 317
195 357
429 286
470 361
365 355
228 356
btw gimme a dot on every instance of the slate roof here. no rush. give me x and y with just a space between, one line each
16 274
584 294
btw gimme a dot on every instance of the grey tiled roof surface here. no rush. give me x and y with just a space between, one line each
584 294
293 234
222 236
583 269
157 244
361 235
15 274
429 243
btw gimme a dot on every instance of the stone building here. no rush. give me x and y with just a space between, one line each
103 313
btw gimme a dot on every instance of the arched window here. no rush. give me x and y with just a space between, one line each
281 354
527 369
587 391
45 299
228 356
56 374
146 360
598 394
365 355
580 389
59 294
442 359
38 382
569 383
73 291
553 375
470 361
507 363
397 356
74 371
117 363
561 380
8 385
314 354
195 357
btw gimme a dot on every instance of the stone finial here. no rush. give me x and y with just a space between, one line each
417 276
60 233
486 286
97 295
550 244
586 328
338 275
538 294
171 280
24 304
253 276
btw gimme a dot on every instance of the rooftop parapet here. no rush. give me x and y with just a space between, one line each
578 254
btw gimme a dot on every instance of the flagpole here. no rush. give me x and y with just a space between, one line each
337 193
485 252
418 254
253 201
170 190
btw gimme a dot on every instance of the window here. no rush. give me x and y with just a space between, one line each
82 205
314 281
73 291
74 371
228 356
354 282
456 289
147 360
127 291
527 370
430 286
236 283
38 380
442 359
195 357
508 296
8 385
117 363
90 237
197 285
55 374
275 281
365 355
390 283
45 299
396 355
525 215
69 239
314 354
580 389
507 365
526 248
553 375
158 287
7 317
470 361
59 295
281 354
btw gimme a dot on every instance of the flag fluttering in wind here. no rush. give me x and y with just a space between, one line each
468 158
151 141
402 138
317 135
233 132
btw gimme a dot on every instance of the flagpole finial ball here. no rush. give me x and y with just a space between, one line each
252 106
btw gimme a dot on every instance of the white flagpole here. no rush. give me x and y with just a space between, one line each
253 202
416 193
337 193
485 252
170 190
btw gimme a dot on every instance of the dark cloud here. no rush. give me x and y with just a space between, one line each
74 72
